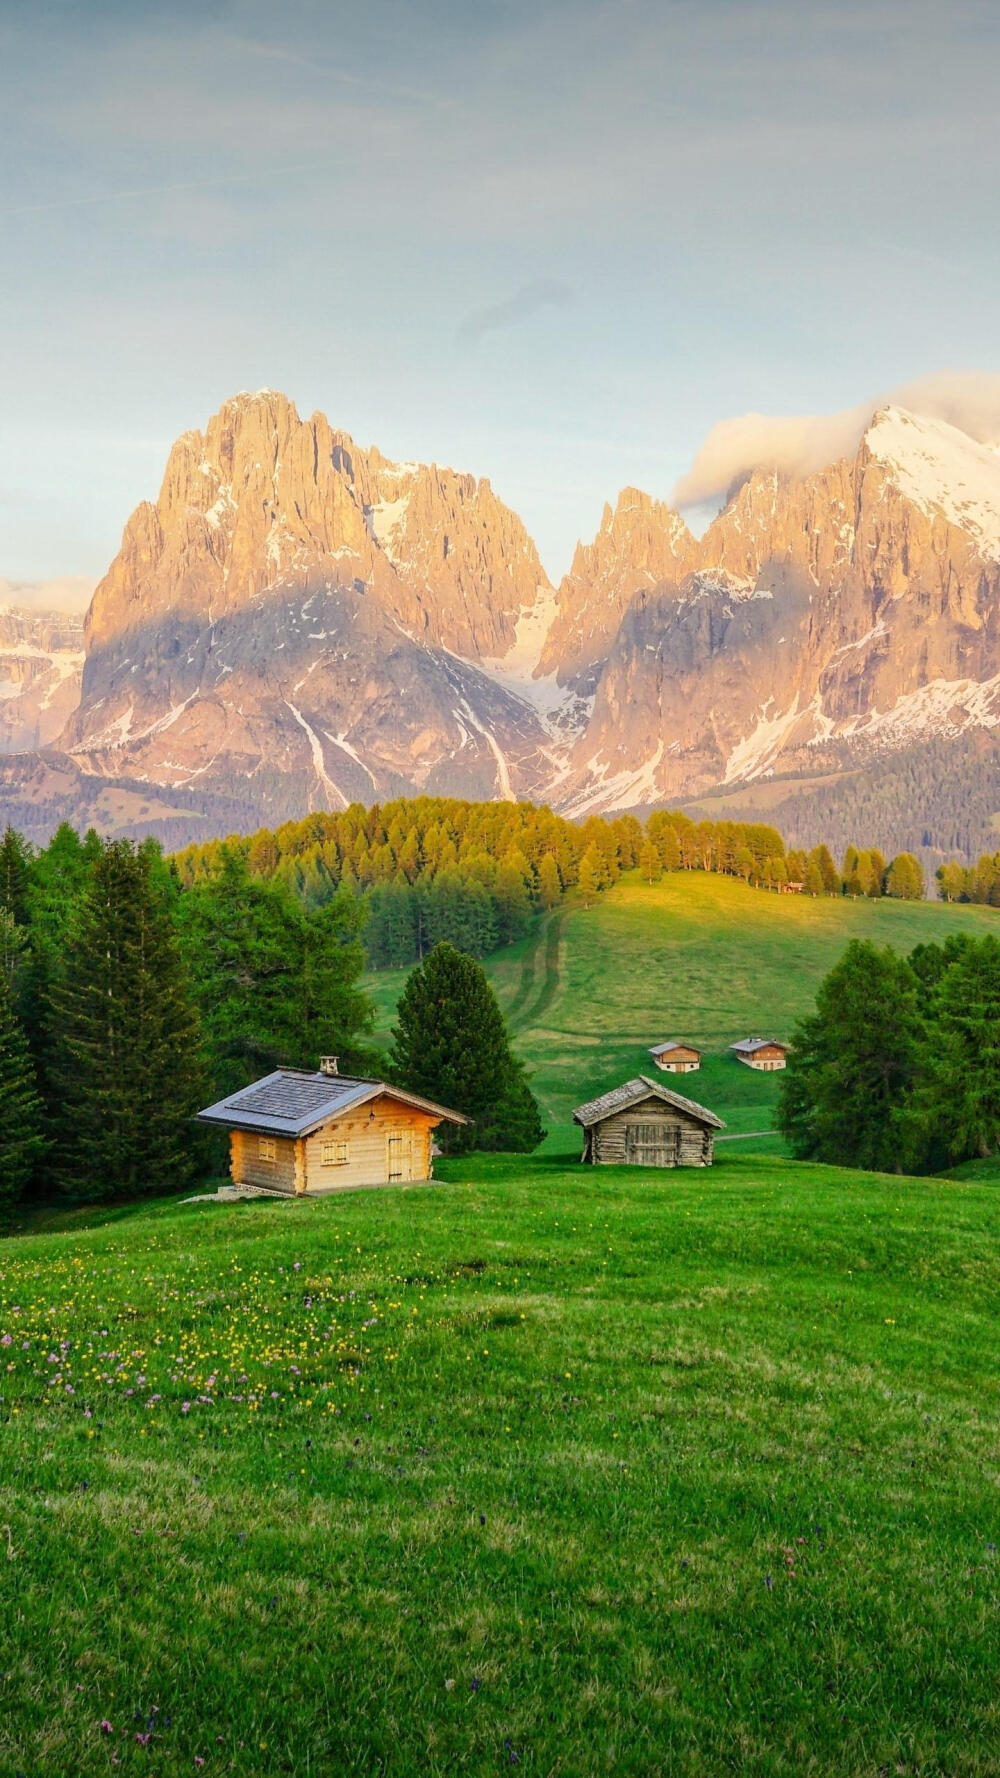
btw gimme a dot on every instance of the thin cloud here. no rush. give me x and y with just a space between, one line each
798 444
543 293
148 191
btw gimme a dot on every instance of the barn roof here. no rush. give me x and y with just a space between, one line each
620 1098
747 1046
663 1049
293 1102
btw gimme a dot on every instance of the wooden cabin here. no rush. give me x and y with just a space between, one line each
676 1058
764 1053
299 1133
644 1124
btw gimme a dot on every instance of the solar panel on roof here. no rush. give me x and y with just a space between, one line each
290 1098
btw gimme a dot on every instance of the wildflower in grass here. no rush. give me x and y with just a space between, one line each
106 1727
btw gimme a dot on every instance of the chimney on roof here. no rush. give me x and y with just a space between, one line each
328 1065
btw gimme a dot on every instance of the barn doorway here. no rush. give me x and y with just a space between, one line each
399 1155
652 1145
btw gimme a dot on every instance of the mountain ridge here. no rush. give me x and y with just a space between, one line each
298 620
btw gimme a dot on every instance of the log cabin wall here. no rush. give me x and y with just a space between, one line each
248 1167
369 1158
635 1136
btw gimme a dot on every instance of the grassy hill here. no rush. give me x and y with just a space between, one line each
567 1470
696 956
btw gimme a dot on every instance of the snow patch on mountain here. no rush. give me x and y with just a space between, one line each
941 469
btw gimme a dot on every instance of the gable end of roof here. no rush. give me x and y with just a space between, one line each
632 1092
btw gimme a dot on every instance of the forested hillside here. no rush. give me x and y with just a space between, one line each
474 874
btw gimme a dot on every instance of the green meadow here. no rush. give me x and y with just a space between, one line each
694 956
540 1467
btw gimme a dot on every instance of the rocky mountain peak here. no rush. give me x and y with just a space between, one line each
640 542
941 470
299 620
262 501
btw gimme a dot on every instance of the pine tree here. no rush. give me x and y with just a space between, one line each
821 857
21 1125
451 1045
15 869
593 875
813 881
904 880
669 848
549 883
126 1056
276 983
649 862
958 1107
845 1095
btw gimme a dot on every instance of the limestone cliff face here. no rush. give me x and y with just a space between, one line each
290 609
298 621
263 501
849 611
41 662
641 542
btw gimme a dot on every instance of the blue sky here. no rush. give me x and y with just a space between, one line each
551 243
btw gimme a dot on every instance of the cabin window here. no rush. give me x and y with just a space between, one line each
335 1154
267 1148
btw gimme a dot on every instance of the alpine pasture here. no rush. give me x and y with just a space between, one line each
541 1467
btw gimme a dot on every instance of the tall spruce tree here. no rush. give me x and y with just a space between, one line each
845 1095
451 1045
276 984
958 1103
15 869
125 1057
21 1134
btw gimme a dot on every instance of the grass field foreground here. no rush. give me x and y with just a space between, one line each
541 1467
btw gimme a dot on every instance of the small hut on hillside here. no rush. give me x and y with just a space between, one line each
644 1124
297 1132
764 1053
676 1058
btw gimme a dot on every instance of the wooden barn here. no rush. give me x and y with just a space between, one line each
676 1058
764 1053
644 1124
298 1132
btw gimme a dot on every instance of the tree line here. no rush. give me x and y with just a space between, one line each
433 869
898 1068
979 882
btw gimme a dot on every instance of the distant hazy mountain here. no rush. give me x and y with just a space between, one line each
299 622
41 663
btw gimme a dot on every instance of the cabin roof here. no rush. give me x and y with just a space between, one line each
663 1049
748 1045
294 1102
620 1098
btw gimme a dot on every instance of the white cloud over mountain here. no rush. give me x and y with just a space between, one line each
797 444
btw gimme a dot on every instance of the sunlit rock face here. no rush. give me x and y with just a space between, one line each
299 622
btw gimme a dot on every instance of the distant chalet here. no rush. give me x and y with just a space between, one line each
299 1133
644 1124
676 1058
764 1053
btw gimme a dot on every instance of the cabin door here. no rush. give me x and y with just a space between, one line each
652 1145
399 1155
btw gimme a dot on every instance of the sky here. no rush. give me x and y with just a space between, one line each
554 242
